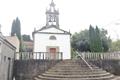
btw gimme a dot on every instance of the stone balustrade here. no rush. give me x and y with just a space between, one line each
38 55
103 56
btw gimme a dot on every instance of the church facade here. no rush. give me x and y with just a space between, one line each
50 39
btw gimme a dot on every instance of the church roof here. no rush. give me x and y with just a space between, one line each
51 26
3 39
14 41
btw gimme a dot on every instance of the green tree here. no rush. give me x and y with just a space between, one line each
13 29
80 41
83 45
92 37
94 40
98 41
26 37
106 41
115 46
16 28
73 53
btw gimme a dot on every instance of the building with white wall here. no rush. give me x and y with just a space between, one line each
50 39
15 42
7 51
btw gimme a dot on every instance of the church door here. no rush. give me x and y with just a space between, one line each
53 53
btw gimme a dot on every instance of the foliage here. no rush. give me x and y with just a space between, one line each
93 40
16 28
73 54
92 36
80 41
26 37
83 45
115 46
106 41
13 29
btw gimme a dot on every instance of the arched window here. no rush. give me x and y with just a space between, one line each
52 38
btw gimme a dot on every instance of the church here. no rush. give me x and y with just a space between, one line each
52 41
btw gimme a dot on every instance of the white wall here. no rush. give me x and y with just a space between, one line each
6 53
62 40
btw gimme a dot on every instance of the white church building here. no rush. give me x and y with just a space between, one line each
51 42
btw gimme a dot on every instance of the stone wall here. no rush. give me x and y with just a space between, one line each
28 69
112 66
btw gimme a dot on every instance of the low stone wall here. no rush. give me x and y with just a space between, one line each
27 69
112 66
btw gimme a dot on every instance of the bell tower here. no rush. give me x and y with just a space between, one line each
52 15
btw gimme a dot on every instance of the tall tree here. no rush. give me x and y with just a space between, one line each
16 28
106 41
92 36
94 40
98 41
13 29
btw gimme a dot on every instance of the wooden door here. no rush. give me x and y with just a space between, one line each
53 53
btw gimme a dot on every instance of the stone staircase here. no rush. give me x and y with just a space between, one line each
74 70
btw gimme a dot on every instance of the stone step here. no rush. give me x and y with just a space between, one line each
75 72
74 65
88 78
76 76
71 65
74 69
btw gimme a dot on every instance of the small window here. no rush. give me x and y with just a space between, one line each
52 38
9 58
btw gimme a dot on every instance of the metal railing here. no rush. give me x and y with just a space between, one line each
38 55
84 60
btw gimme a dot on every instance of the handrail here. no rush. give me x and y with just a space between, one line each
85 61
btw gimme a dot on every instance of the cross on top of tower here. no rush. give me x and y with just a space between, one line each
52 4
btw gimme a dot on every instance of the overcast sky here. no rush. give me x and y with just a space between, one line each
75 15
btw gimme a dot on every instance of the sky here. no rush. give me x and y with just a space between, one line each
75 15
